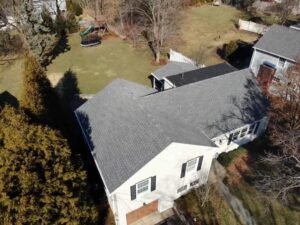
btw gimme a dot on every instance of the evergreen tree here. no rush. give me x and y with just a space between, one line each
39 183
37 35
38 98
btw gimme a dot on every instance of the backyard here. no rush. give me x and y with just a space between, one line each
202 30
205 29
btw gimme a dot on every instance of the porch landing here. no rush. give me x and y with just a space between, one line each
154 218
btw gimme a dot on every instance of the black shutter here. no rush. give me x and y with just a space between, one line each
183 168
200 163
256 128
153 183
229 139
133 192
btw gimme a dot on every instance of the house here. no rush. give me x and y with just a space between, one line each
152 147
278 49
51 6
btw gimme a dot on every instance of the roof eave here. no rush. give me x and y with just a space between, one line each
272 53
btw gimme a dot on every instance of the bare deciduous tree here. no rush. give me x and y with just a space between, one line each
284 134
158 18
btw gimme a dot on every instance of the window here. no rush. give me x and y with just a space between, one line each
194 164
235 135
143 186
181 189
243 132
193 183
191 165
251 128
281 62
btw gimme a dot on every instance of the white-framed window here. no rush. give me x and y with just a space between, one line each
143 186
191 165
281 62
243 132
251 128
235 135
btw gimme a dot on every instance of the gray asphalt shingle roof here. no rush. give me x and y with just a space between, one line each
127 124
282 41
173 68
125 134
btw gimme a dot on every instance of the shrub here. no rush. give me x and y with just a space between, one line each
71 23
230 48
10 43
227 158
74 8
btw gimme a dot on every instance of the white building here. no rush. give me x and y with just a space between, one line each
152 147
50 6
278 49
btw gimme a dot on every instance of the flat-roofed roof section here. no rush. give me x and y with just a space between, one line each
201 74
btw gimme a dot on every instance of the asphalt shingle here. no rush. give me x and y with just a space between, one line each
127 124
282 41
173 68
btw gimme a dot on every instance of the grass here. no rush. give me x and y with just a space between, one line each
202 29
95 67
205 29
210 213
265 210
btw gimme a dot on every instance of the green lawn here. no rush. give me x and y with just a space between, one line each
206 28
202 29
95 67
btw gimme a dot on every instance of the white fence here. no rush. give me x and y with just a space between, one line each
252 27
178 57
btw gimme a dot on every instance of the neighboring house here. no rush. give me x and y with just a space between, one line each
278 49
152 147
50 6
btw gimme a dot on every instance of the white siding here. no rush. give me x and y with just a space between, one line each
178 57
167 84
167 168
222 140
259 58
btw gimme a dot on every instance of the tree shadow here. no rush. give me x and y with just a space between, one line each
7 98
245 109
150 42
241 57
83 134
62 46
69 92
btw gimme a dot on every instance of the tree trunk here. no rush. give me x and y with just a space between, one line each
157 56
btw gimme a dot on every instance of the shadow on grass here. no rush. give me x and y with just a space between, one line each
61 47
69 93
7 98
241 57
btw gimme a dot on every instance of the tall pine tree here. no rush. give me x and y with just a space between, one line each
39 184
38 98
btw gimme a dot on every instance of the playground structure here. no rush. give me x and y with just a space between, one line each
92 31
